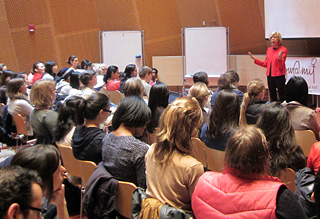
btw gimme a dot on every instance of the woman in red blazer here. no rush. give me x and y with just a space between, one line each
276 67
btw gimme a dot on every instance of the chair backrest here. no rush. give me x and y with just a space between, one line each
20 124
305 138
124 198
287 176
69 161
115 96
104 91
86 170
199 151
215 159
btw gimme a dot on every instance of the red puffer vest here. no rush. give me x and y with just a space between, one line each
223 195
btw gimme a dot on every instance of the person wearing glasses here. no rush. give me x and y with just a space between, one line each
21 193
87 138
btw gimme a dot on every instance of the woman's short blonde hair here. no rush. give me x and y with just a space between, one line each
199 91
41 94
278 35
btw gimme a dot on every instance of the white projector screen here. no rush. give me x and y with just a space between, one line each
206 50
292 18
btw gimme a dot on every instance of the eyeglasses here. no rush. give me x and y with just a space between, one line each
106 110
41 212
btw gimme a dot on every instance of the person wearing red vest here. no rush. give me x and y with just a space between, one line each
276 67
244 189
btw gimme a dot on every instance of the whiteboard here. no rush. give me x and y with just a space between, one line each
292 18
206 50
121 48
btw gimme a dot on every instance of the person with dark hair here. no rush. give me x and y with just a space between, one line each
88 78
171 171
86 64
223 120
45 159
43 119
5 77
145 74
228 80
133 86
74 81
154 79
252 103
275 63
123 154
64 73
21 193
111 78
51 68
244 189
158 101
130 71
275 122
68 119
39 72
3 67
302 117
87 138
19 102
201 77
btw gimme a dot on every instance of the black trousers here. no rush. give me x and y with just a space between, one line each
275 83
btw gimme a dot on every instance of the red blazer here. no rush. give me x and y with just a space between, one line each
278 68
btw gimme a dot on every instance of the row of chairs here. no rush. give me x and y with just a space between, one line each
84 169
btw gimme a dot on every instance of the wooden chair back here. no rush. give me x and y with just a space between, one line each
287 176
86 170
116 96
124 198
199 151
104 91
305 138
215 159
69 161
20 124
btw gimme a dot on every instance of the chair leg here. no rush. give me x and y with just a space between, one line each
81 201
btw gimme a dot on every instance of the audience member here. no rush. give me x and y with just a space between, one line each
123 154
201 77
252 103
89 79
314 158
73 61
171 172
158 101
86 64
302 117
154 79
223 120
39 72
111 78
275 122
51 68
133 86
5 77
130 71
21 193
244 189
3 67
145 74
43 119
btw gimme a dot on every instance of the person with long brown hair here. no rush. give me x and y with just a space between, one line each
171 172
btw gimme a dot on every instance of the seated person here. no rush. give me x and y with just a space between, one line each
314 158
111 78
302 117
244 189
145 74
223 120
133 86
89 79
171 172
123 154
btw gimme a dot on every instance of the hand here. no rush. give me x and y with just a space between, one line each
251 56
280 55
58 198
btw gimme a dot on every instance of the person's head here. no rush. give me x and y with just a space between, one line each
51 68
159 96
103 69
297 90
275 38
22 75
16 88
86 64
154 74
20 191
199 91
75 80
5 77
145 73
73 61
130 71
224 116
255 90
43 93
133 86
3 67
45 159
112 73
132 112
88 78
38 67
247 152
95 107
201 77
179 122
